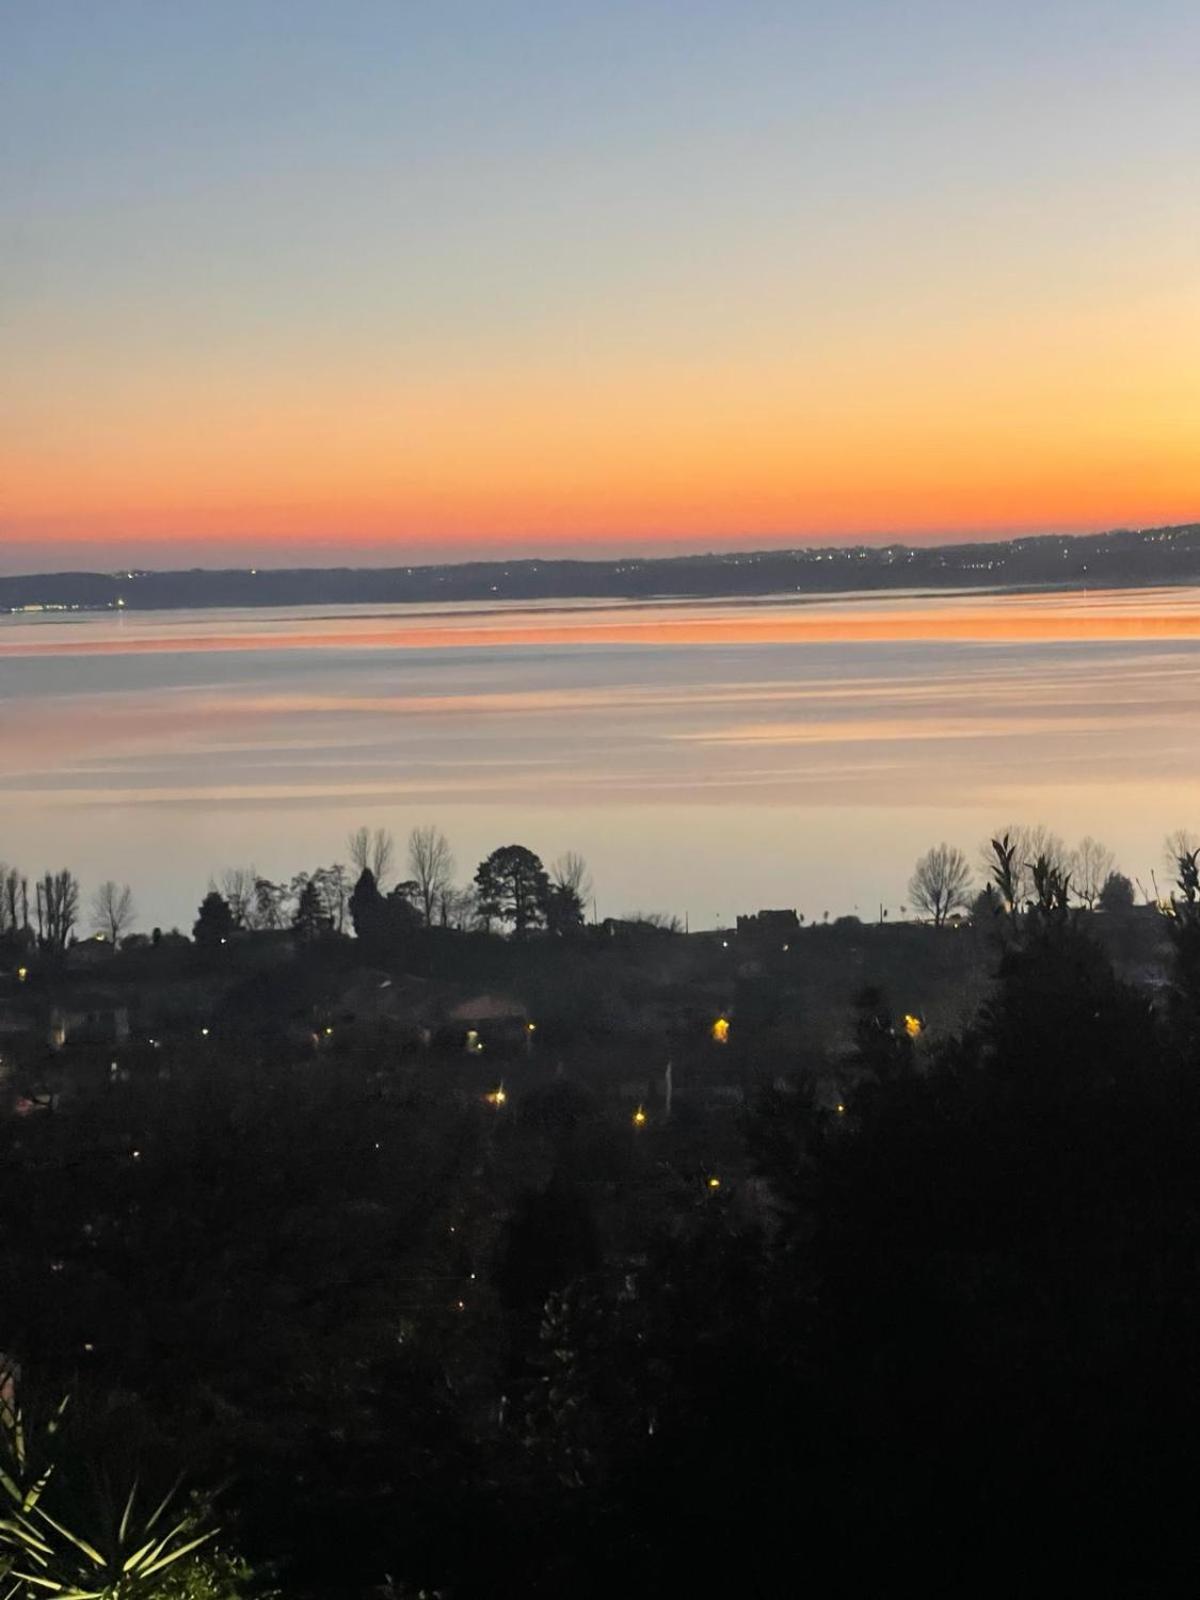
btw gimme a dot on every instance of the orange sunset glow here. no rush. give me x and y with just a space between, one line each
1087 432
733 300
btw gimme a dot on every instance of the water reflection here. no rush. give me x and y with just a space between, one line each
777 753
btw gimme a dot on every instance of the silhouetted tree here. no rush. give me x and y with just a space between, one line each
570 871
57 904
1007 875
403 913
563 909
459 908
214 923
941 883
238 891
1091 865
270 905
367 906
1026 844
333 889
14 901
113 910
376 850
512 886
1116 893
431 863
1184 926
1177 844
986 905
309 920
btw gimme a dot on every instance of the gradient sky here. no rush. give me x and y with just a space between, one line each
303 281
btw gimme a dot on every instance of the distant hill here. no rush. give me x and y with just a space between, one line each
1127 556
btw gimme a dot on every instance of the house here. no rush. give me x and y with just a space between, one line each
86 954
90 1019
490 1021
769 926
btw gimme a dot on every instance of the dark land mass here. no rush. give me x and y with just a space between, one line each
479 1267
1123 557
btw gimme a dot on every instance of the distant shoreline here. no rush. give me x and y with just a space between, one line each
1133 558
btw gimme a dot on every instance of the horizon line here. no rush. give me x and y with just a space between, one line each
864 542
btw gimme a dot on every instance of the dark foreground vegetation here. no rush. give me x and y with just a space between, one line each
485 1299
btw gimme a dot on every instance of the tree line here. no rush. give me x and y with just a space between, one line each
511 891
943 882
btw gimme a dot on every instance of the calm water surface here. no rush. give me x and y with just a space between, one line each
707 758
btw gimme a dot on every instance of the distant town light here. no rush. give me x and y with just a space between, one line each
714 1182
204 1033
913 1026
496 1097
841 1110
22 974
720 1031
639 1118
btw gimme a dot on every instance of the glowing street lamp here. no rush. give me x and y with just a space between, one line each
639 1118
913 1026
714 1182
720 1031
496 1097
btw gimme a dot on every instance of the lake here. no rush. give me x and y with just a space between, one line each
706 757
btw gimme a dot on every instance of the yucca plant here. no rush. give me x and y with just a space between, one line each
125 1556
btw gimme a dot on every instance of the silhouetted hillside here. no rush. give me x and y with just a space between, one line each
1123 557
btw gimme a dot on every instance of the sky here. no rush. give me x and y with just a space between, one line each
304 282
